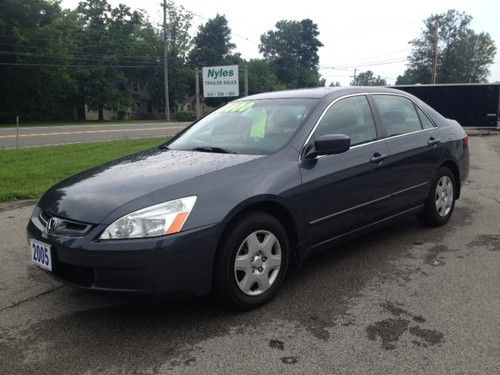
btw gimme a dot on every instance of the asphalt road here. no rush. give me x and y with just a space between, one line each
403 300
50 135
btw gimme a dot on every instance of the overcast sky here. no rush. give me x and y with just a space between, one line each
356 34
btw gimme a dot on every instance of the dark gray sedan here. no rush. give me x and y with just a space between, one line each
230 203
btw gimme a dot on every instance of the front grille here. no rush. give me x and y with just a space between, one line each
64 227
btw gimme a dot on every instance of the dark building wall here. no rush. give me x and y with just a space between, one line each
470 104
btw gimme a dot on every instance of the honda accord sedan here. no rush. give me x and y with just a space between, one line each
231 203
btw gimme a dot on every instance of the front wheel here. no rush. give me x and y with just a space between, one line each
252 262
441 200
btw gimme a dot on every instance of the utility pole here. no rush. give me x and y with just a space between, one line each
246 79
434 53
354 76
165 61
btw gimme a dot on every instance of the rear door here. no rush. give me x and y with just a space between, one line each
345 191
415 148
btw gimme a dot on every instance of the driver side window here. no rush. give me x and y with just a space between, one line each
350 116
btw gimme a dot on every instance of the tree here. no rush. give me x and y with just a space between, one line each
180 75
368 79
292 50
461 54
261 77
34 81
178 31
212 44
211 47
109 37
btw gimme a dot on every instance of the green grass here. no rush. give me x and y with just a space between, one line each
27 173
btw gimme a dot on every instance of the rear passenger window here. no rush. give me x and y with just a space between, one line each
352 117
426 123
398 114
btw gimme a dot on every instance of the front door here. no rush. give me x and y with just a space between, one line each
345 191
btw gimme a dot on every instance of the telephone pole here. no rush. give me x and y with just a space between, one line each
354 76
434 53
165 61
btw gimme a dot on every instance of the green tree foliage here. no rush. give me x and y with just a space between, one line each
54 61
211 47
30 28
368 79
261 77
462 54
113 38
212 44
292 50
180 74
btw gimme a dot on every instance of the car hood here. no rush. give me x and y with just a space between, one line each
94 194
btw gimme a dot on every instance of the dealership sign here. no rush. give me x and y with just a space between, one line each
220 81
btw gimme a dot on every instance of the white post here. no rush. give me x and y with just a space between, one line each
17 131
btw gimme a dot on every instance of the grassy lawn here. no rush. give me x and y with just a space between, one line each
29 172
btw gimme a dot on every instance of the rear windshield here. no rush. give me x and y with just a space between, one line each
247 127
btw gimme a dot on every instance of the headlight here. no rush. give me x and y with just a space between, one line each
158 220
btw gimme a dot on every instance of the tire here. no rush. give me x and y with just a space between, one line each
440 202
259 243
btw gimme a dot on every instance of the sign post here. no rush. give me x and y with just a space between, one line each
197 85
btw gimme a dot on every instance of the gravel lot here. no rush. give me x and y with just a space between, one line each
406 299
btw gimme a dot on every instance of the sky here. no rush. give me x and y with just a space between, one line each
363 35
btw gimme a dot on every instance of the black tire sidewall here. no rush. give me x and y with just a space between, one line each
225 283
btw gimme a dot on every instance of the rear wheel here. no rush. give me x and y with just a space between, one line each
252 261
441 200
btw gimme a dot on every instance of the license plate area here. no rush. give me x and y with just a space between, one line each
41 254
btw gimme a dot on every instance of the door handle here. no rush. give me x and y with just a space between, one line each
433 141
376 158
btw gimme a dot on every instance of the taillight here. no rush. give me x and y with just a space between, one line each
466 140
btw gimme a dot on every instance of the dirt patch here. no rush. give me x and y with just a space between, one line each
289 360
430 336
389 331
396 310
434 255
489 241
277 344
9 206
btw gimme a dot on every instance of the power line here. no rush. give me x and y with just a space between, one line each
76 57
362 59
232 32
373 63
80 66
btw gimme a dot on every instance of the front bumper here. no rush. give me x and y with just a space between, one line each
179 263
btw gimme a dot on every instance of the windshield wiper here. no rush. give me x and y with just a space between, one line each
214 149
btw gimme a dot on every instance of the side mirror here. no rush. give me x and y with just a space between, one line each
330 144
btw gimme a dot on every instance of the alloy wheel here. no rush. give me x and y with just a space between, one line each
443 196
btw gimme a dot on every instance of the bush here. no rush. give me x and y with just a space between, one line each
184 116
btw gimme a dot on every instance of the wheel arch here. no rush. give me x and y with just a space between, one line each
276 207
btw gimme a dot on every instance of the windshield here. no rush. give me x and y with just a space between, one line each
246 127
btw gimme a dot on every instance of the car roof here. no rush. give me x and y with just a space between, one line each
321 92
